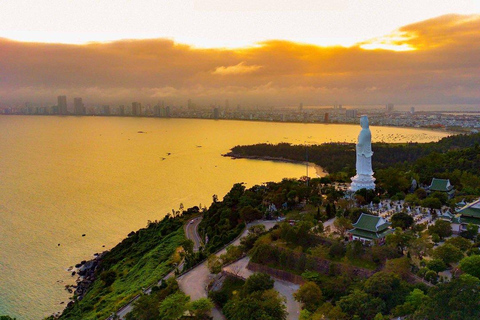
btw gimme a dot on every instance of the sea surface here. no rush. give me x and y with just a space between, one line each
62 177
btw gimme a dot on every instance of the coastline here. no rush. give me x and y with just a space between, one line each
320 172
429 128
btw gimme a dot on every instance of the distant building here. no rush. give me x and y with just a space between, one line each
136 109
167 112
469 214
216 113
441 185
300 107
62 105
121 110
412 110
351 113
326 118
78 107
389 107
370 229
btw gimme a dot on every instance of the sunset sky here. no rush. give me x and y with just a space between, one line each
251 52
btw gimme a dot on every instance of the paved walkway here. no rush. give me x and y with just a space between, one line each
194 283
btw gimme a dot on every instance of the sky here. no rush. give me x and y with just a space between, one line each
270 52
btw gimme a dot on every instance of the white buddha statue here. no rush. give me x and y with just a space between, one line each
364 178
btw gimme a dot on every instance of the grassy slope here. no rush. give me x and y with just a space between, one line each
139 261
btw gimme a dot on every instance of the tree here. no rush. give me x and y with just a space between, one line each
420 193
249 214
471 232
337 250
413 301
173 307
355 250
442 228
471 265
214 264
361 304
399 239
402 220
436 265
431 276
393 180
432 203
328 311
459 242
386 286
318 229
442 196
187 245
233 253
258 282
201 307
412 199
457 299
266 305
342 225
310 295
399 266
448 253
421 246
6 318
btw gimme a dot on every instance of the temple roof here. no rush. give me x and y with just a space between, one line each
440 185
371 223
471 210
370 235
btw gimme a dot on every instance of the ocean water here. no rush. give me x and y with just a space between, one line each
62 177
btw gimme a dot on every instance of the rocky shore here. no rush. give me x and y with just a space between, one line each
85 271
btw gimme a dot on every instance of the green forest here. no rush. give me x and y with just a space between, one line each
456 158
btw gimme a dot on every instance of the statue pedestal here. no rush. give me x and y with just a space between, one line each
362 181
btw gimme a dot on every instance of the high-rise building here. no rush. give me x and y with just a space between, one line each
326 117
412 110
351 113
121 110
300 107
167 111
216 113
389 107
78 107
136 109
62 104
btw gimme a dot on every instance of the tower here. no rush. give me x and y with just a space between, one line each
62 104
78 107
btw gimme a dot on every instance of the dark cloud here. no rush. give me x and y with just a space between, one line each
444 68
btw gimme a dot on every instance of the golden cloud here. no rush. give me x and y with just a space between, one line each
443 68
240 68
